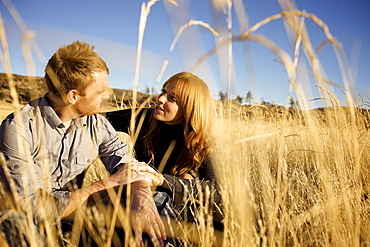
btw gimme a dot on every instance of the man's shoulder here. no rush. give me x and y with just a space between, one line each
97 120
26 113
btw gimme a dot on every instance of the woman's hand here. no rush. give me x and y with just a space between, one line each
127 174
186 175
179 197
132 172
155 177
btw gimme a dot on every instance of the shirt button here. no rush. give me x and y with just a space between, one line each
88 161
63 161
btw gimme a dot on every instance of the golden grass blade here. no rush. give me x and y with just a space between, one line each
255 137
174 42
329 82
27 34
7 65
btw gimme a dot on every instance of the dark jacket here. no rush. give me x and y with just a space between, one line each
205 174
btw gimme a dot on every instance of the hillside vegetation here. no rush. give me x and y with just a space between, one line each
31 87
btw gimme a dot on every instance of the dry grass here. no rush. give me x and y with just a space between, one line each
5 109
286 181
296 181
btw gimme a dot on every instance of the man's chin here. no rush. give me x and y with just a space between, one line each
92 112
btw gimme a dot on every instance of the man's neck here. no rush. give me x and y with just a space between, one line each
65 112
68 124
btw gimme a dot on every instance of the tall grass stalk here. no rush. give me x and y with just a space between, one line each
174 42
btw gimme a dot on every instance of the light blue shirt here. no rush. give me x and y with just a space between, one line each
42 154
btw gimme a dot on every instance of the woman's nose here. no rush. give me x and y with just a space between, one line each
162 98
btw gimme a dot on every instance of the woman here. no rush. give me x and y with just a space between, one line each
180 126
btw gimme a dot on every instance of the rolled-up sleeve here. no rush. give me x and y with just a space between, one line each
16 143
28 166
112 150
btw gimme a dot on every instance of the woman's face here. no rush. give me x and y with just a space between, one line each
167 109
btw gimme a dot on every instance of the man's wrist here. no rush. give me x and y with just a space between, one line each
117 167
161 181
141 183
148 179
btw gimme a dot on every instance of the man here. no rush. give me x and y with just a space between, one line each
51 142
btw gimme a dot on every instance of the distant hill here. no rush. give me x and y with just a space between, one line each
28 87
31 87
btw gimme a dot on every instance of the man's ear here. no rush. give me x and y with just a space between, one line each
72 96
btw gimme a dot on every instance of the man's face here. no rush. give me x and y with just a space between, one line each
91 102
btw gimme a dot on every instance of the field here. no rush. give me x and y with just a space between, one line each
289 177
303 180
5 109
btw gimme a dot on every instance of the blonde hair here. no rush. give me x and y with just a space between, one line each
195 100
74 66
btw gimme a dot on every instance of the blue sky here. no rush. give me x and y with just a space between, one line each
112 26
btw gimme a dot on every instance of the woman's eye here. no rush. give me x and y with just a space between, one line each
173 98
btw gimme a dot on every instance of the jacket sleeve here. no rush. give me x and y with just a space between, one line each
205 179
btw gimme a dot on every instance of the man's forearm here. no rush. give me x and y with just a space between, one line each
78 197
144 214
129 173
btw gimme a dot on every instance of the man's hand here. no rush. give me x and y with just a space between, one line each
144 215
127 173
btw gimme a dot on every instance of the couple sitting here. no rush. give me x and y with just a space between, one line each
49 144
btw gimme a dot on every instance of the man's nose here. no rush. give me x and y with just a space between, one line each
106 94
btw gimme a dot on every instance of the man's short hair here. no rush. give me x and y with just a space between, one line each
74 66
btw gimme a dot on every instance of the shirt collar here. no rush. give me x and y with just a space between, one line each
81 122
49 114
53 119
